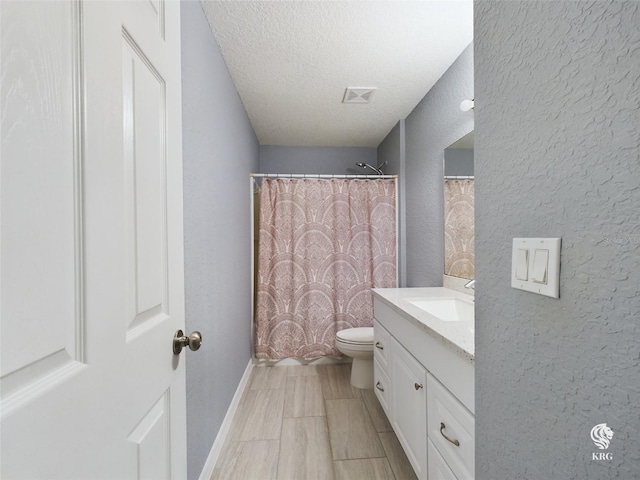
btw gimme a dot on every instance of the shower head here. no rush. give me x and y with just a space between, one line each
366 165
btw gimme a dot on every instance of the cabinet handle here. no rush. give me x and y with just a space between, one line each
418 386
454 441
378 346
379 387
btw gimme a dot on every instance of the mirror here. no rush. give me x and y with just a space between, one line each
459 231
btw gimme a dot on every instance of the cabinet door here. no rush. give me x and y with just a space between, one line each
381 355
409 406
382 387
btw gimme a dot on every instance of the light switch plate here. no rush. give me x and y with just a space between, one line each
543 257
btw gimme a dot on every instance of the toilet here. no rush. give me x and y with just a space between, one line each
357 343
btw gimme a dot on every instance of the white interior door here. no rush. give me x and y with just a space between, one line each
91 241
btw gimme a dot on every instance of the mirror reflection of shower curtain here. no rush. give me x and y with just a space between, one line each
459 231
323 244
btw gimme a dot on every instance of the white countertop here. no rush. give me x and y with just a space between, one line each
460 334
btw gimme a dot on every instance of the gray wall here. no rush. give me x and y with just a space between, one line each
557 153
458 161
434 124
219 151
316 160
392 151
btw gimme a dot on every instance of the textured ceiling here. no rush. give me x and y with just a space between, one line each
291 62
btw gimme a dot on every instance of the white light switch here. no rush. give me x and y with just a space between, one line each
522 264
535 265
540 266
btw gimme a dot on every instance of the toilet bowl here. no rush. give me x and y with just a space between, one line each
357 343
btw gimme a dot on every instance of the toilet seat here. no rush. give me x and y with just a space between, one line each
356 336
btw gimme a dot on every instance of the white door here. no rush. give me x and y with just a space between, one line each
91 241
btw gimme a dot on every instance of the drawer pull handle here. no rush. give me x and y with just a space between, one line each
379 387
378 346
418 386
454 441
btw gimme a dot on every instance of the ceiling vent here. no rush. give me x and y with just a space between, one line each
358 94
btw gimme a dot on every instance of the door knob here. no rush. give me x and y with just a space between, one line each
180 340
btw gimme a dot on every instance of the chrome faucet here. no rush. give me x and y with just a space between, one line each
470 284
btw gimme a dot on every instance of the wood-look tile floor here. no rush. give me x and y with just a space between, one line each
308 423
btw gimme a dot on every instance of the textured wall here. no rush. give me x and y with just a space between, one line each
316 160
220 149
458 161
392 150
434 124
557 154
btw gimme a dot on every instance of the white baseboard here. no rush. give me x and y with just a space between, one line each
216 448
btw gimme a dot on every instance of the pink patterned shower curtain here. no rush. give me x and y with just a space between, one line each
323 244
459 231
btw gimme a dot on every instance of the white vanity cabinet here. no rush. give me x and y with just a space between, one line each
403 398
426 388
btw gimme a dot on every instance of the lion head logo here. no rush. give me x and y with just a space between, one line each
601 434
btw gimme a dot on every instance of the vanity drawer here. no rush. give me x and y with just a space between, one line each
448 418
381 345
437 467
381 386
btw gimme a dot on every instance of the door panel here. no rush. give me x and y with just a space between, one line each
151 437
44 197
145 178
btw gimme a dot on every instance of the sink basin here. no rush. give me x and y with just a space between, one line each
446 309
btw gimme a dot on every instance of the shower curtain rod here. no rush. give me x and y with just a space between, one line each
458 177
307 175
